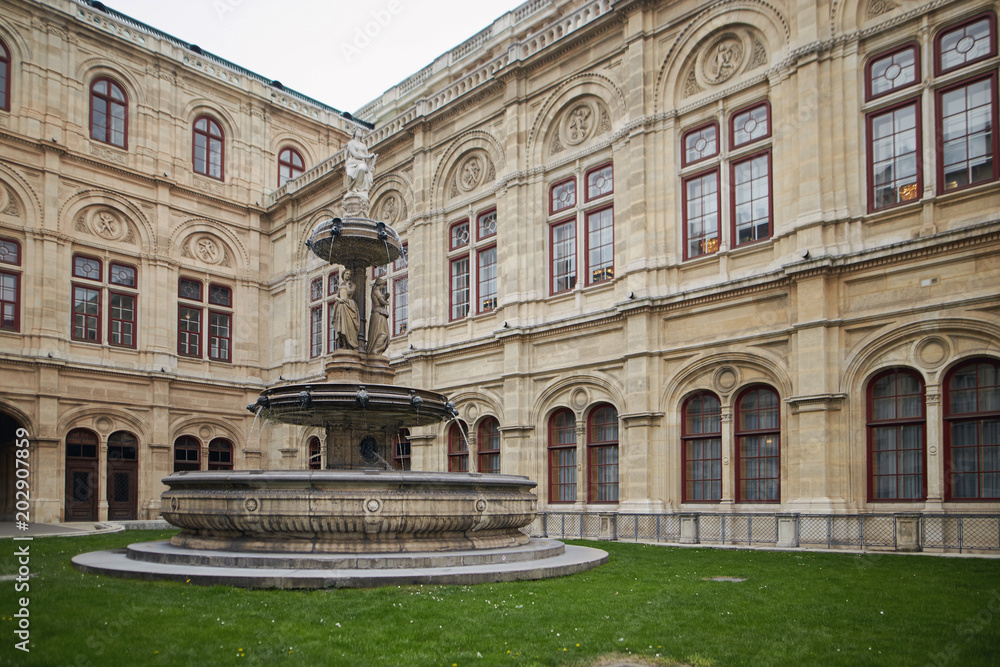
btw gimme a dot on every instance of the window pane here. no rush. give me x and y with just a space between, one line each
600 242
460 234
487 225
750 125
459 288
893 159
965 44
894 71
701 204
563 196
487 260
701 144
752 199
966 128
401 305
599 182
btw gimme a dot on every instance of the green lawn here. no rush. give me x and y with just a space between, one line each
793 609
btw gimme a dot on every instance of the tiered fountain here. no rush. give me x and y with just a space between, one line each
358 522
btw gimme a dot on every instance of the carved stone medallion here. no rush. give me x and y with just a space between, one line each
470 174
723 59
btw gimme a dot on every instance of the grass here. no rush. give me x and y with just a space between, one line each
648 601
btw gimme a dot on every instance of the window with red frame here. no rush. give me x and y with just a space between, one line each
894 164
220 323
459 287
220 454
700 144
10 285
486 225
562 241
602 455
701 214
187 454
750 125
315 454
701 445
458 447
562 195
290 165
562 456
966 43
967 121
208 147
488 461
751 199
486 259
600 245
189 318
401 450
600 182
192 317
758 445
972 431
896 434
5 76
119 290
108 112
893 70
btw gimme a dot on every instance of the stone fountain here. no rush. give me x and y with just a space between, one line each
358 522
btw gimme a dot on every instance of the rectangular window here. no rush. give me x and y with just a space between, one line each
563 196
86 267
189 331
220 295
400 305
893 71
331 330
965 44
701 214
751 200
563 242
894 156
459 234
86 314
403 259
703 462
487 225
121 319
487 261
603 468
759 468
332 283
316 331
600 182
10 252
189 289
967 129
459 288
123 275
600 246
10 301
562 462
751 125
219 336
316 289
700 143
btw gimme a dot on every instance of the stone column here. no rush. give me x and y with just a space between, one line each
935 444
728 452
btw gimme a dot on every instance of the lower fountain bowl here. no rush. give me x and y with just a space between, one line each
347 511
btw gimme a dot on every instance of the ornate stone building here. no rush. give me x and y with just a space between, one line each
718 258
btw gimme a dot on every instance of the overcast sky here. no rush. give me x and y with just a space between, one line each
344 54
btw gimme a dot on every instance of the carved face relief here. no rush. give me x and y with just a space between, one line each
725 59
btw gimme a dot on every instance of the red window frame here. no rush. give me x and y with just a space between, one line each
290 165
977 419
939 123
456 288
552 195
401 450
216 292
220 454
400 305
587 196
749 109
483 232
562 423
5 76
892 470
733 204
214 145
486 287
220 338
752 464
690 438
458 451
991 19
123 326
315 461
488 459
77 273
892 54
128 269
10 251
111 103
191 448
188 339
455 240
92 320
10 301
685 162
602 455
190 281
315 331
918 185
569 276
82 443
684 211
604 271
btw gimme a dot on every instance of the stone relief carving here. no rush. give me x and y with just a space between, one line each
724 59
727 55
758 55
208 249
392 208
691 86
108 154
582 121
106 223
8 201
474 171
879 7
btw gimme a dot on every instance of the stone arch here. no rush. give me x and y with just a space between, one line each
283 140
458 149
192 231
93 418
392 187
90 68
847 16
19 415
725 374
203 106
31 209
20 53
579 393
581 86
205 429
709 24
474 405
87 201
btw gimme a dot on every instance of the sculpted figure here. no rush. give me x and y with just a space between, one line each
345 314
359 167
378 324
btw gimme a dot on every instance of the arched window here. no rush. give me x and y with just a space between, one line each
602 455
220 454
401 450
290 165
972 431
458 448
108 112
5 75
209 146
122 446
187 454
758 445
896 435
315 454
81 444
489 446
701 443
562 457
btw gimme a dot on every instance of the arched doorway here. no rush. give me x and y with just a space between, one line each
123 476
81 475
8 440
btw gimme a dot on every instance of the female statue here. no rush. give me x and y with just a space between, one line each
378 324
345 314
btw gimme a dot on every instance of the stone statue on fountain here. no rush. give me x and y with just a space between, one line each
378 325
359 172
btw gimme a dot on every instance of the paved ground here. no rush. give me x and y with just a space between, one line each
9 529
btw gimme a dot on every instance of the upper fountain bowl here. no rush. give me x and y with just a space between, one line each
348 240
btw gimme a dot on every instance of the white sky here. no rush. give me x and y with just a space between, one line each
314 47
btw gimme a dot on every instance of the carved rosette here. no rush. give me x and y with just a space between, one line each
580 122
208 249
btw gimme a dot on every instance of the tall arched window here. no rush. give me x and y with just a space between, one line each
108 112
562 457
458 448
209 147
758 445
187 454
489 446
972 431
701 443
5 75
602 455
896 435
315 454
220 454
290 165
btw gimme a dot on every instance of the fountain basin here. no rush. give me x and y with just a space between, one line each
347 511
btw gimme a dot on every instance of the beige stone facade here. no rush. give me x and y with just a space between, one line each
678 222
